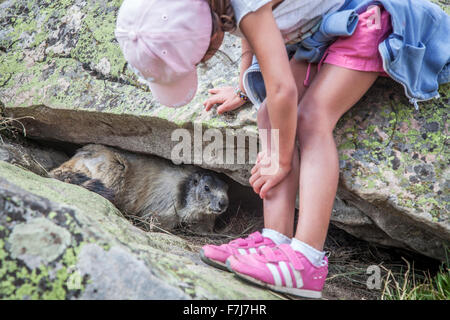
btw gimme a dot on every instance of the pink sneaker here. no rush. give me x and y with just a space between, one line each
281 269
216 256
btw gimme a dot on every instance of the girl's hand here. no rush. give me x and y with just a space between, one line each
226 97
267 173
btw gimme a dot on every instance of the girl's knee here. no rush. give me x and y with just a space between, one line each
313 119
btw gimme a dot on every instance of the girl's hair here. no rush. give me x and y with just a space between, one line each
222 15
223 19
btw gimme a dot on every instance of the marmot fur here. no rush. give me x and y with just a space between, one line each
148 186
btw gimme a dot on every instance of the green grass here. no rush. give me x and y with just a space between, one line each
411 286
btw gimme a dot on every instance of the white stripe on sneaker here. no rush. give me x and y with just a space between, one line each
299 292
297 275
275 274
242 251
252 250
286 274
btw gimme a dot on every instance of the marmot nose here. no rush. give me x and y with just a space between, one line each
223 204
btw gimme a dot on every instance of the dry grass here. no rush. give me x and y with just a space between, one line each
10 126
349 259
13 131
413 285
238 224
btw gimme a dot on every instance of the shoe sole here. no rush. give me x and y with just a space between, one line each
213 263
294 291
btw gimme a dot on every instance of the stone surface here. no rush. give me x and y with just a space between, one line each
30 155
53 60
39 241
60 241
61 65
394 167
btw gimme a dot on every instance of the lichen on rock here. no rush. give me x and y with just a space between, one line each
38 241
61 241
60 64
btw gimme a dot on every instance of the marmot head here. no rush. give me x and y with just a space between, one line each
207 191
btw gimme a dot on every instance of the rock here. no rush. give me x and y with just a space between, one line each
29 155
61 64
38 242
60 241
349 218
394 169
63 61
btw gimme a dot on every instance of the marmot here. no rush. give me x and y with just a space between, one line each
148 186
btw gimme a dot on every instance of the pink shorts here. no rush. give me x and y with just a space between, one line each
360 50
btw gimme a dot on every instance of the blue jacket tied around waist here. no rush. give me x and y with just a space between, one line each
416 53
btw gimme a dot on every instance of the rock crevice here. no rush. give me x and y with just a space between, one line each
64 68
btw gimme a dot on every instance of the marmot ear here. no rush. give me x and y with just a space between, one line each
196 178
122 163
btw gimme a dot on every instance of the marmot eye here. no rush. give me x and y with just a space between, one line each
206 188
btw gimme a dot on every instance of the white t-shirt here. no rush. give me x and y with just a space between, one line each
296 19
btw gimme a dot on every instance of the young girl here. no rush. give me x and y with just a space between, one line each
164 41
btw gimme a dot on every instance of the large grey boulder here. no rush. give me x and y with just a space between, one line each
60 241
60 64
394 171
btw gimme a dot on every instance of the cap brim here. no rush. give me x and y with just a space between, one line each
177 93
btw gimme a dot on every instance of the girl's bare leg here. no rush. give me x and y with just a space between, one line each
333 91
279 204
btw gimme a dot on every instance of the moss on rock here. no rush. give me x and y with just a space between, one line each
62 66
60 241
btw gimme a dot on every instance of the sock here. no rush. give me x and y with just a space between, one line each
277 237
312 254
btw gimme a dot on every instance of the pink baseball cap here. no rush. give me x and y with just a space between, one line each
163 41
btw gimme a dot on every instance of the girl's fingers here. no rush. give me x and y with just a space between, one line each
225 97
224 107
258 184
261 157
208 106
257 164
227 106
216 99
270 183
211 102
266 187
255 168
254 177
